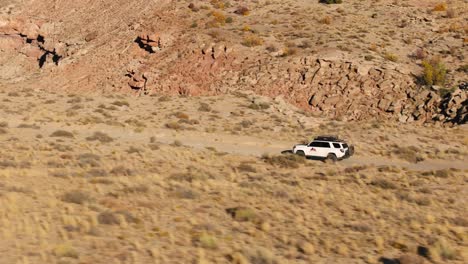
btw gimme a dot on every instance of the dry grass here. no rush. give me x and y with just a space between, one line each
206 189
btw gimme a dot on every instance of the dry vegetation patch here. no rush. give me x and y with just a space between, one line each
209 189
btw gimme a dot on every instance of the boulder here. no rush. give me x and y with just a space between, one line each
11 42
31 31
32 51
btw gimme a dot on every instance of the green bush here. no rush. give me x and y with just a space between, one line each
434 72
331 1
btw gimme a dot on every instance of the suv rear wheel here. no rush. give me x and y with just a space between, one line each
332 157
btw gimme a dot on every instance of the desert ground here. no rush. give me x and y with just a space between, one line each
90 178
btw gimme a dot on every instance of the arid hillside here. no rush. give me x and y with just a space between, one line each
357 60
158 131
115 179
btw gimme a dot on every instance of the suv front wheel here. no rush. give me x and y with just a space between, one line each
332 157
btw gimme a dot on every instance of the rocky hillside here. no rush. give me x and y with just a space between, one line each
400 60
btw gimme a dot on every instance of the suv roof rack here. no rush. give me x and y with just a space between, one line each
328 138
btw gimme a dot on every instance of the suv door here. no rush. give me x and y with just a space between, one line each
319 149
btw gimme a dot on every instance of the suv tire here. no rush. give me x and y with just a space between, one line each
351 150
332 158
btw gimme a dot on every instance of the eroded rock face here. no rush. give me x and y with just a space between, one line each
28 38
333 88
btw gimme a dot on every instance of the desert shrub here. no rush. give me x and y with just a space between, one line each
66 250
445 250
206 241
219 4
140 188
115 218
434 72
174 125
76 197
259 106
219 17
328 2
3 124
204 107
189 176
305 44
96 172
391 57
121 170
3 131
252 41
442 173
246 123
108 218
185 193
74 100
229 20
177 143
120 103
242 214
8 164
242 10
246 28
420 54
451 13
164 98
443 92
101 137
284 161
193 7
384 184
440 7
463 68
410 153
271 48
62 133
326 20
88 159
153 146
288 51
31 126
133 149
245 167
369 57
181 115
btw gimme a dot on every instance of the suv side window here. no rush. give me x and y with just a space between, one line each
316 144
319 144
336 145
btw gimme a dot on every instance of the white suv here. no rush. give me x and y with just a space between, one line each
325 147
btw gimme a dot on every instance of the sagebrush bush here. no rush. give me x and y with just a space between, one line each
434 72
219 18
252 41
